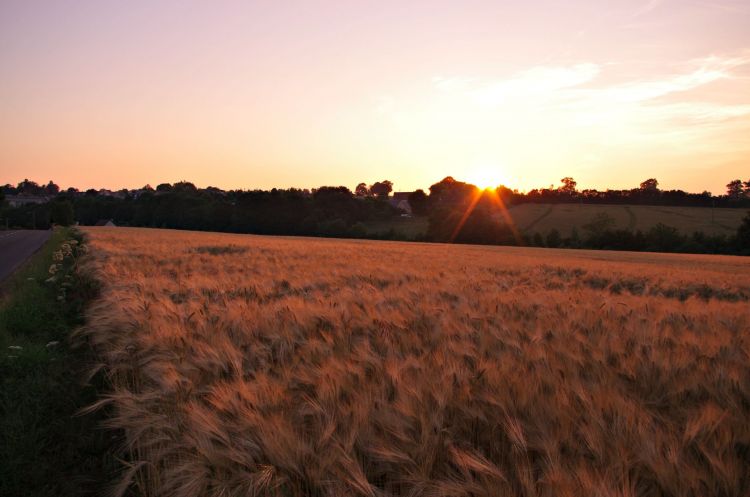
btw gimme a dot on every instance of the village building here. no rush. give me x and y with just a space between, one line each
22 199
400 200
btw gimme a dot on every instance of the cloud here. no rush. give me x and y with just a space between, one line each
451 84
536 82
563 86
579 105
639 94
640 91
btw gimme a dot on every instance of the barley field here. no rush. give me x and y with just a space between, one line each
272 366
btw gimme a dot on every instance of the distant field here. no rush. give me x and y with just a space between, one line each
250 365
541 218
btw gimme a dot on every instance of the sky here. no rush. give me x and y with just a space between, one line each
268 94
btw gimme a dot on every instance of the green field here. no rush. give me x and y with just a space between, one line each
541 218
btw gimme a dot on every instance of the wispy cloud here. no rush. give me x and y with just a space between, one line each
649 90
551 111
536 82
451 84
708 71
576 87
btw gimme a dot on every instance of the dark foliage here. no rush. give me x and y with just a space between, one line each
328 211
61 212
457 212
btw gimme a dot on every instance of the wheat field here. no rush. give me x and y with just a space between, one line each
271 366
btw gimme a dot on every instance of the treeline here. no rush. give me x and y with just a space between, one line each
660 238
461 213
647 193
326 211
458 212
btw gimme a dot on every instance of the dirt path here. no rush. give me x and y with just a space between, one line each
632 220
537 220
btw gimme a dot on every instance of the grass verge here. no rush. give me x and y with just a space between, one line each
47 449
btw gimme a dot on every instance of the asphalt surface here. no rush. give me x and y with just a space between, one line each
17 246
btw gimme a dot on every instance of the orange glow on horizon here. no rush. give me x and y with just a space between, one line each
501 208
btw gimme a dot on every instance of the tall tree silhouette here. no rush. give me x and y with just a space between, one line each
734 189
381 189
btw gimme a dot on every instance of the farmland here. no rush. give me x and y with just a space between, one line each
542 218
250 365
565 217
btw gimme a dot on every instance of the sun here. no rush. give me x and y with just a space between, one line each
486 177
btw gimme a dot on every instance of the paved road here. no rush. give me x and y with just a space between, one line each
17 246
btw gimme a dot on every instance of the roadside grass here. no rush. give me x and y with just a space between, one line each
46 448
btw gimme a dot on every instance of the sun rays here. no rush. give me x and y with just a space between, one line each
497 208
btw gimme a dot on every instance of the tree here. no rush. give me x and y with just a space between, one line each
478 227
29 188
184 187
664 238
598 224
51 188
361 190
734 189
538 240
746 185
381 189
164 187
62 212
418 201
569 185
553 239
650 186
452 192
743 235
9 189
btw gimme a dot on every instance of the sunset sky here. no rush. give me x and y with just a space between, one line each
262 94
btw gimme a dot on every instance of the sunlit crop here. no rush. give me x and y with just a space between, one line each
246 365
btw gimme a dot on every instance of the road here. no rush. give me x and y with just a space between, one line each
17 246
